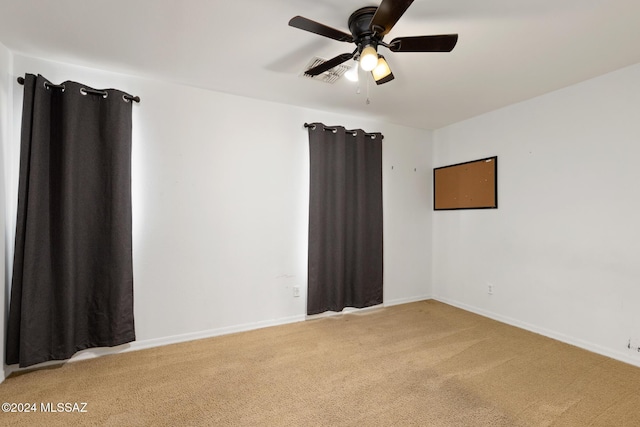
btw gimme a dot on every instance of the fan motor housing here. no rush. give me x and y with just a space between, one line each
360 24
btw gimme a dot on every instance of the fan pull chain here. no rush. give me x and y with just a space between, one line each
368 100
359 80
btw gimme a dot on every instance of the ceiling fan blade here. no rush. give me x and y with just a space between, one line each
320 29
388 14
441 43
326 66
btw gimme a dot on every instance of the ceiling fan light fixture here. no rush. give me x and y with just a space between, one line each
382 72
368 58
352 73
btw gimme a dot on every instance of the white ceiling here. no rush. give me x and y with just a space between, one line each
508 50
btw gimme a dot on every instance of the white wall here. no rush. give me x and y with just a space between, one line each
407 181
5 135
563 249
220 199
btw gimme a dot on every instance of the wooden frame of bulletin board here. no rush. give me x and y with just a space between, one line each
468 185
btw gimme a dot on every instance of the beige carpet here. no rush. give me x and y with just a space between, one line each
422 364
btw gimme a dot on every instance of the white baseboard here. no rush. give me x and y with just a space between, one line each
375 307
157 342
595 348
406 300
346 310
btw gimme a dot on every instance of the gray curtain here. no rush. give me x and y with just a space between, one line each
345 219
72 285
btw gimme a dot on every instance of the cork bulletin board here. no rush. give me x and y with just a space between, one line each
469 185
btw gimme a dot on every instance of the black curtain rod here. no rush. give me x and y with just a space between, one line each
335 129
85 90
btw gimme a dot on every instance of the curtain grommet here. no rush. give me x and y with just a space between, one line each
86 91
48 86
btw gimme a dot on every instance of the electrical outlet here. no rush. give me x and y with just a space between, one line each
296 291
490 289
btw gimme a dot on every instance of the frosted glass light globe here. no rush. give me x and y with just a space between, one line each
368 58
352 74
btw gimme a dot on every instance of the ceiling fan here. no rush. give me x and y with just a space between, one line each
368 26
